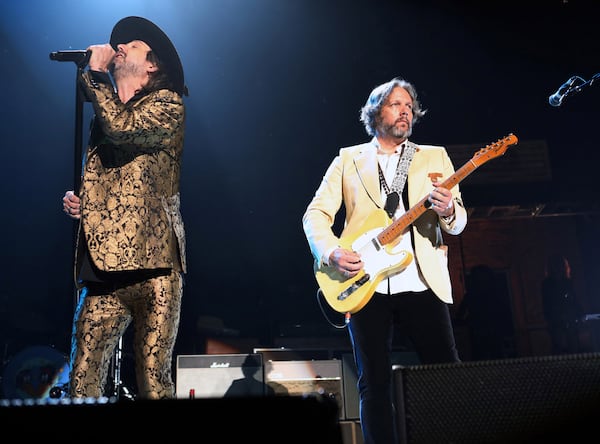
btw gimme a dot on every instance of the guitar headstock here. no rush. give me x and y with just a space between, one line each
494 150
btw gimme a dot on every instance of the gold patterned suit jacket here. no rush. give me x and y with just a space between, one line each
130 203
352 179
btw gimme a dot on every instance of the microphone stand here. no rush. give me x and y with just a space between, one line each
81 61
78 144
583 85
117 388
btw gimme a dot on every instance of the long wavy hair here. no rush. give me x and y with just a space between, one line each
159 79
370 112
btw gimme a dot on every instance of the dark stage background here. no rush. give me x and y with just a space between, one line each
275 90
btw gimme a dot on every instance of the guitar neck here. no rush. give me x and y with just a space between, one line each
402 223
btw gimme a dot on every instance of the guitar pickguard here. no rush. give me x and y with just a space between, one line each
380 261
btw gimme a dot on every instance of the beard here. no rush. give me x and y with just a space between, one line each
397 132
125 69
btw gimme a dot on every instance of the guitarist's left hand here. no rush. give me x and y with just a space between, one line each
441 200
346 262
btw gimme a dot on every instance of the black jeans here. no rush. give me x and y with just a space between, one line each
425 320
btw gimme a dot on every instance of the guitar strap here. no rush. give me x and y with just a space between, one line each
394 193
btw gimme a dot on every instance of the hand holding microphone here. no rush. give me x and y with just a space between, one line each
98 56
102 57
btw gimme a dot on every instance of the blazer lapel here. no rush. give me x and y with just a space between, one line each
366 167
417 188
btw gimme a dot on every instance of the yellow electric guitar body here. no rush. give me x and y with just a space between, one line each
350 295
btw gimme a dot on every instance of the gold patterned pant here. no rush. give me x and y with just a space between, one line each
101 319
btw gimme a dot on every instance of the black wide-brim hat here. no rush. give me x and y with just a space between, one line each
139 28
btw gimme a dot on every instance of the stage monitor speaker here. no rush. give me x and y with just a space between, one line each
499 401
321 378
214 376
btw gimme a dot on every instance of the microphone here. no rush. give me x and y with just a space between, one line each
562 92
80 57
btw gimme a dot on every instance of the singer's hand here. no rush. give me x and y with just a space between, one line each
72 205
101 58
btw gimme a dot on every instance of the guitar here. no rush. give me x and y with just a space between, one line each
378 238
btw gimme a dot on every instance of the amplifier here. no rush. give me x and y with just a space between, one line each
307 378
293 354
214 376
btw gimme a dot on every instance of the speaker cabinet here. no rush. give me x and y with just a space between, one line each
214 376
499 401
321 378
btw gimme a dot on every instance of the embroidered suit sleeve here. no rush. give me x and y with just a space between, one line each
152 123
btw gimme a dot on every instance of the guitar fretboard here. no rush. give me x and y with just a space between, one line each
401 224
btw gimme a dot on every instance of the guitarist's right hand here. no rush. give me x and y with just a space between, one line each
346 262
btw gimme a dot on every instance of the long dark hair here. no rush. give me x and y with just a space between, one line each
158 79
